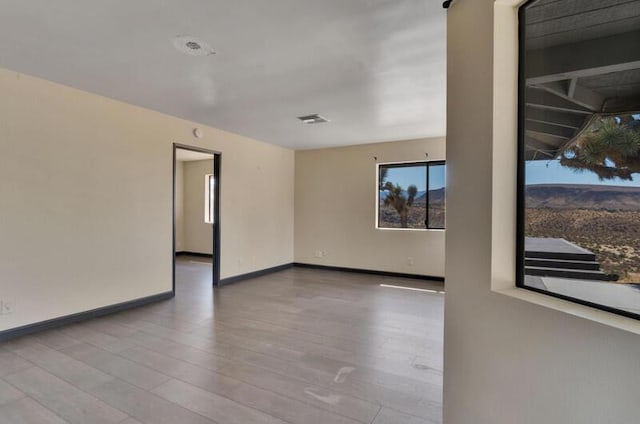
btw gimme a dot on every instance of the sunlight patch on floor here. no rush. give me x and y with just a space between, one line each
410 288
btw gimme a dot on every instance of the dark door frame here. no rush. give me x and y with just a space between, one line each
217 162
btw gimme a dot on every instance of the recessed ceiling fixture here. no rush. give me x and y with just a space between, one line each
313 119
192 46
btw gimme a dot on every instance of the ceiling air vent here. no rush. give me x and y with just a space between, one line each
313 119
192 46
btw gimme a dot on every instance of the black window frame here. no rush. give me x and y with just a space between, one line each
427 164
521 181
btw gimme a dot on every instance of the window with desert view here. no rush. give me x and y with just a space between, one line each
411 195
580 152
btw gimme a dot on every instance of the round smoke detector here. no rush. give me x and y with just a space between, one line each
192 46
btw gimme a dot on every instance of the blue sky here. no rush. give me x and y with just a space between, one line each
551 172
437 177
537 172
417 176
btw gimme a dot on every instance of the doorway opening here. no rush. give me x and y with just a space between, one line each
196 211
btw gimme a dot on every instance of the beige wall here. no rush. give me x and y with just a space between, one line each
86 192
180 238
335 206
198 235
506 360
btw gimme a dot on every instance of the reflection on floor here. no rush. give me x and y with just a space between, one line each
300 346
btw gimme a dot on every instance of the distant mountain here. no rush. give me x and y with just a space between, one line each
435 196
582 196
384 193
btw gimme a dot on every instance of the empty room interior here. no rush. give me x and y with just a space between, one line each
301 212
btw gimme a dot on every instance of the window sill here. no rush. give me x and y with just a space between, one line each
602 317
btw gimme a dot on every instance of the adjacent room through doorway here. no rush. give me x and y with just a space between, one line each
196 225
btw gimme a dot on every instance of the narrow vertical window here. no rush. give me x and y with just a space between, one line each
209 198
436 196
579 152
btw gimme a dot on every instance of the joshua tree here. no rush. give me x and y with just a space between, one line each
610 148
383 178
399 201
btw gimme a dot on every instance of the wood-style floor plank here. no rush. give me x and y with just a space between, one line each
28 411
8 393
69 402
300 346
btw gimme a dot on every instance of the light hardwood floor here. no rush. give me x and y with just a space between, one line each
300 347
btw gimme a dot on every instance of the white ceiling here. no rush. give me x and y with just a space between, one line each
375 68
183 155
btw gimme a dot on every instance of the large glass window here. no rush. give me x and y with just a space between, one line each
411 195
579 152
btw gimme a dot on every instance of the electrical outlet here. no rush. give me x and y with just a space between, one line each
410 261
7 307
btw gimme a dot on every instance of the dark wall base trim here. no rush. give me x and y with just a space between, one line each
254 274
201 255
369 271
267 271
81 316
